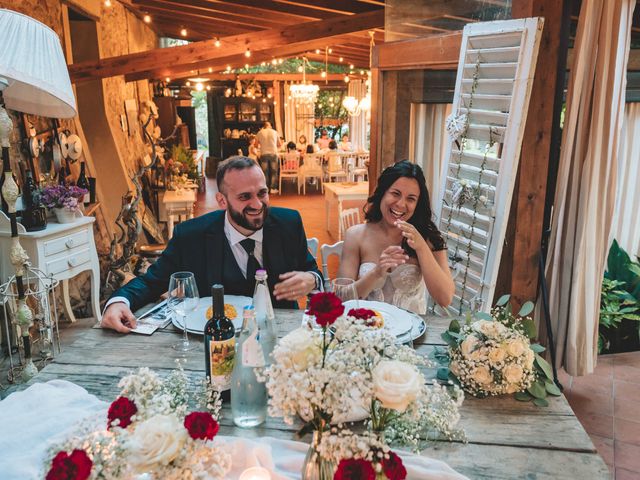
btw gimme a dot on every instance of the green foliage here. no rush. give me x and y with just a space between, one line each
620 296
184 157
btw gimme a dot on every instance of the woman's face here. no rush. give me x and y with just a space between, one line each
302 139
400 200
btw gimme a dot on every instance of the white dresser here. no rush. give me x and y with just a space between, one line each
62 250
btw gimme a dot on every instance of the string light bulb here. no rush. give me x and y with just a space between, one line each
317 51
210 69
346 79
331 50
168 79
183 32
146 19
208 87
274 61
351 67
247 53
323 74
217 42
107 3
188 84
341 59
199 87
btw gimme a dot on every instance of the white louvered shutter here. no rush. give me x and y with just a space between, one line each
502 55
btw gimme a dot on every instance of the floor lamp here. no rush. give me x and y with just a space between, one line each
33 79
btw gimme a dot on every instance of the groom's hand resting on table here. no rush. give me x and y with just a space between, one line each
294 285
118 317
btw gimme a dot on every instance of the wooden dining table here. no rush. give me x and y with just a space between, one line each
506 438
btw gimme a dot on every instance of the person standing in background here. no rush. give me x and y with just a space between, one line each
268 140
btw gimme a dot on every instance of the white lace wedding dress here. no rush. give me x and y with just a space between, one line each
404 287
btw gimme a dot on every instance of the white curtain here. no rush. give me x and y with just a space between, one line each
626 228
277 87
298 119
428 142
587 176
358 124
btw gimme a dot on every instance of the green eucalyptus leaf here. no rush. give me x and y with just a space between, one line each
452 342
537 390
523 397
529 327
454 326
552 389
537 348
502 301
526 309
483 316
443 374
540 402
544 366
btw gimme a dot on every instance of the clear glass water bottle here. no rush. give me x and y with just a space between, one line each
265 316
248 395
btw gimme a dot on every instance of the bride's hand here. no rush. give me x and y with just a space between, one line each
390 258
414 239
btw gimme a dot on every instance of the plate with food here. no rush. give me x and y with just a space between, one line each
393 319
196 320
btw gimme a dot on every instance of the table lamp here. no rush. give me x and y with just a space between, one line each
33 79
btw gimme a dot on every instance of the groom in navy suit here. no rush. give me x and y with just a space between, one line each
227 246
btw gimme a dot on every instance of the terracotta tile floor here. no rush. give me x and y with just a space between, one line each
607 403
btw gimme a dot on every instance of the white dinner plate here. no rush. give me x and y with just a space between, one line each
196 320
397 321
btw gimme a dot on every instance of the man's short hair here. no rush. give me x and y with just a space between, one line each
237 162
266 125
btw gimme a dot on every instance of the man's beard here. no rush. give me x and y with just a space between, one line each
253 223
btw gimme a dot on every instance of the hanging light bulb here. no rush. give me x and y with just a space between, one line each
351 67
246 66
346 79
331 50
300 69
168 79
274 61
217 42
350 103
323 74
183 32
208 87
317 51
341 59
304 93
188 84
199 87
107 3
280 61
146 19
228 68
247 53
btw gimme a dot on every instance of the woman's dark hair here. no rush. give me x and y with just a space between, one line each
291 146
333 145
309 148
421 218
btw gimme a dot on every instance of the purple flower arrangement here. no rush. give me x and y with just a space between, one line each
61 196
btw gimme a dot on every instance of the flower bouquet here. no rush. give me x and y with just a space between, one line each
493 355
147 432
63 200
351 370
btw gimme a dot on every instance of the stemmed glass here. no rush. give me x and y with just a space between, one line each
183 299
345 290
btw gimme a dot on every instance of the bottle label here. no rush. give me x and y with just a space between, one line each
221 358
252 354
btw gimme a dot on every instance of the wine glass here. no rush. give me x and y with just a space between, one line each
345 290
183 299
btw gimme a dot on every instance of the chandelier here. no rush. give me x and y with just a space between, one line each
351 103
304 93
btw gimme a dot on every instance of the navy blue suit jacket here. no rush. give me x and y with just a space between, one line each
198 246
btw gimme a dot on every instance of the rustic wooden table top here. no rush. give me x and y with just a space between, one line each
506 438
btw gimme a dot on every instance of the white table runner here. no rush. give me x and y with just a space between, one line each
33 419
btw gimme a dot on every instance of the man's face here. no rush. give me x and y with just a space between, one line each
245 197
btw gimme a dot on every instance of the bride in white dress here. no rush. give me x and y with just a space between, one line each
398 254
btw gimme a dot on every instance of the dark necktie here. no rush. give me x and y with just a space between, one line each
252 263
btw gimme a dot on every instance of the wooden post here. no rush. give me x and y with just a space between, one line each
519 266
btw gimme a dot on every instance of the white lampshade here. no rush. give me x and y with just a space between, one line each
33 65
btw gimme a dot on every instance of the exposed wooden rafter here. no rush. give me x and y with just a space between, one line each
204 54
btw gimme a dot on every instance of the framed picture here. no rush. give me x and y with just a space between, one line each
131 110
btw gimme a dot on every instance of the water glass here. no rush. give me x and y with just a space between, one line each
183 299
345 289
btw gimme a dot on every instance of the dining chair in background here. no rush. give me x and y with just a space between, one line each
312 245
289 168
361 168
348 217
335 167
326 251
311 168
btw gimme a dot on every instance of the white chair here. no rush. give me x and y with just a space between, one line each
348 217
311 168
312 245
289 168
361 168
335 166
326 251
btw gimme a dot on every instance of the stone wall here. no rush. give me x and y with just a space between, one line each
119 32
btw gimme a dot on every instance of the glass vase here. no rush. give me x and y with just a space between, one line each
315 466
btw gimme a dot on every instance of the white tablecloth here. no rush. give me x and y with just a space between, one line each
31 420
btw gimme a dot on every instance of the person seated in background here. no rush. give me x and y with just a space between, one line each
254 151
345 144
399 253
302 144
227 246
323 140
291 156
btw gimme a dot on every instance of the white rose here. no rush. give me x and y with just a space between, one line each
482 375
513 373
157 440
496 355
468 345
529 357
489 328
301 346
479 354
396 384
516 348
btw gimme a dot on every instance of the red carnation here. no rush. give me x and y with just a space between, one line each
326 307
352 469
393 467
201 425
76 466
121 409
361 313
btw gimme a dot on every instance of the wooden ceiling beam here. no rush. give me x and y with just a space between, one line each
269 77
342 6
290 8
204 53
235 61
